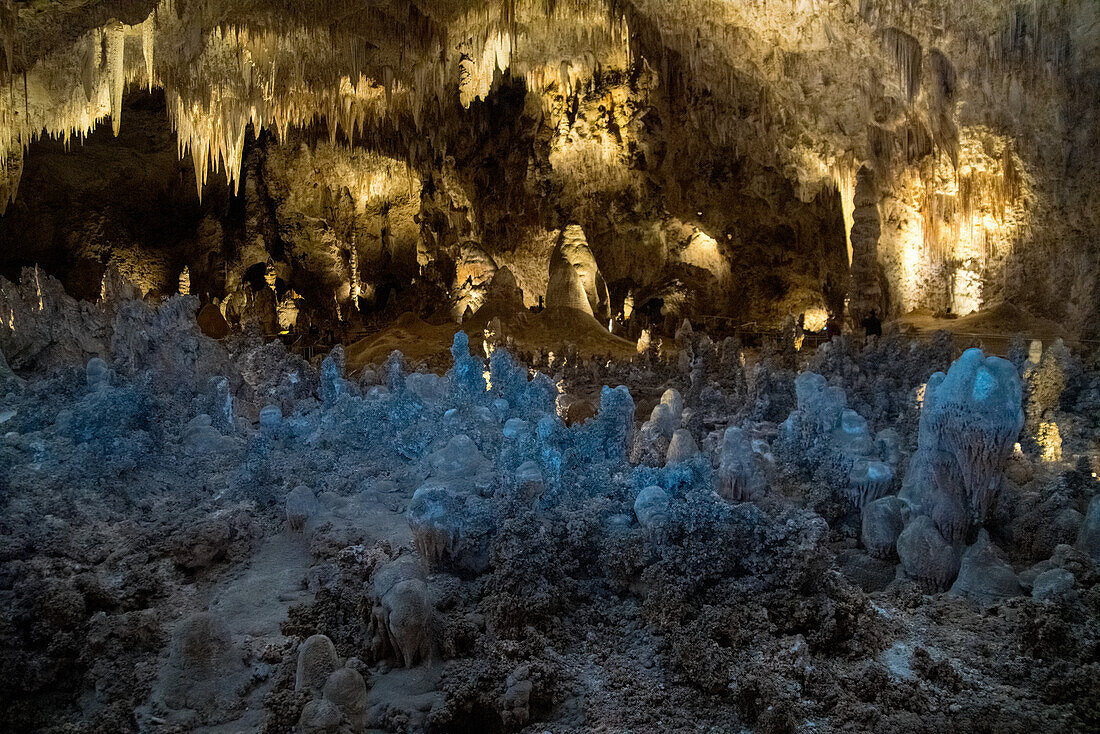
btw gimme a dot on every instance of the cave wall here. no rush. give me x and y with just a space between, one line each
708 152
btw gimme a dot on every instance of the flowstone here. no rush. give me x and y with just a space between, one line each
1088 537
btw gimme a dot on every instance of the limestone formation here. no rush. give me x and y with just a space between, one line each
301 505
926 556
317 660
320 716
1088 537
681 448
203 665
651 507
573 248
882 523
866 292
345 688
565 288
969 423
523 351
983 576
738 478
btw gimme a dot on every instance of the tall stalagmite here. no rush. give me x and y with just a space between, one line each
865 289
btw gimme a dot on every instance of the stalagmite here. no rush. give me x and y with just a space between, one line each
573 247
865 291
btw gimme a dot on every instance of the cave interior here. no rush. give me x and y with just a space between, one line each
549 365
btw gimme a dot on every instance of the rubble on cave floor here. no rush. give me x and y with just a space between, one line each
272 544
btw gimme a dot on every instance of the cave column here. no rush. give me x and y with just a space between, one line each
865 288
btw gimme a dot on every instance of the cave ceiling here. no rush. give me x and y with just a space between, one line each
808 88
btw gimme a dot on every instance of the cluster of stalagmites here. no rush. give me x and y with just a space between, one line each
835 443
933 521
482 450
339 693
970 420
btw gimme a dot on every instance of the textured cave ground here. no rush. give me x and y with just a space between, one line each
122 516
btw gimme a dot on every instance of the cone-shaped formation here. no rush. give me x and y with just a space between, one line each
565 289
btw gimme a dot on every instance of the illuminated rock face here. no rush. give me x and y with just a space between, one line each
708 153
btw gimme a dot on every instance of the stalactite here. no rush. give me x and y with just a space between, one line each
844 178
116 72
88 50
148 38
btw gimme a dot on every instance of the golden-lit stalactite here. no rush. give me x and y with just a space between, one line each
66 95
945 228
223 72
115 34
764 78
844 178
544 43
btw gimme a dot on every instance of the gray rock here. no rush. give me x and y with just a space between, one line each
321 717
1052 585
983 576
346 689
681 448
882 523
271 418
651 507
926 556
301 505
316 662
1088 537
201 665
